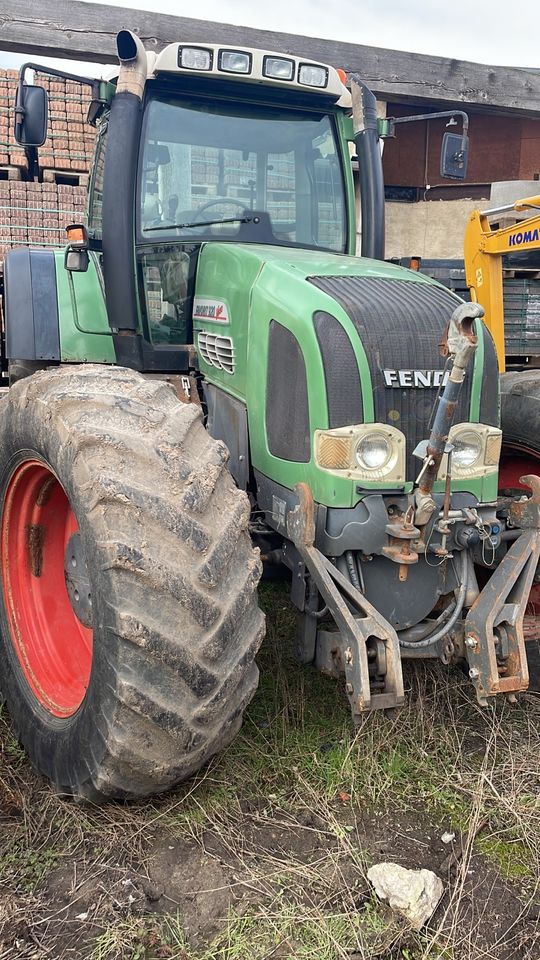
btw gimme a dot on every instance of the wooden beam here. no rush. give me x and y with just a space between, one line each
86 31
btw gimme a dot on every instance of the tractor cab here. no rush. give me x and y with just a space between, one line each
229 171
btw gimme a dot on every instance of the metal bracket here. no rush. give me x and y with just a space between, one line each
354 630
494 633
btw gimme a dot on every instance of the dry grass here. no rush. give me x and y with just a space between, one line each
264 855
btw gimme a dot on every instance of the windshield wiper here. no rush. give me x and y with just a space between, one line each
202 223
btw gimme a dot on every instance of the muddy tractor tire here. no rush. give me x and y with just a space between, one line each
19 369
520 422
128 609
520 414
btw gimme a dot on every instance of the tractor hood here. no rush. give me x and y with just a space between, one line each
312 341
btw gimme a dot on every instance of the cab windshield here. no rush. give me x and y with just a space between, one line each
240 172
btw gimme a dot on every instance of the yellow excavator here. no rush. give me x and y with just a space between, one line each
484 248
517 341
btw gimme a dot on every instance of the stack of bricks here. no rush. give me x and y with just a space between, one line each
70 140
11 153
36 214
5 98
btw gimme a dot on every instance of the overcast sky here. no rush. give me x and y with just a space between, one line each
493 32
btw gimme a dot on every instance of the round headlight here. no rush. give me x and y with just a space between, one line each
467 449
373 451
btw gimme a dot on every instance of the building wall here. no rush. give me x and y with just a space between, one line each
501 148
529 161
432 223
431 230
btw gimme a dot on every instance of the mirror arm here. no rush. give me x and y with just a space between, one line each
96 106
19 109
54 72
390 122
31 154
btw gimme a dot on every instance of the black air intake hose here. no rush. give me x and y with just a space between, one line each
370 170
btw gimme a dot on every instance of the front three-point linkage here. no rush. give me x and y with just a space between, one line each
494 630
362 634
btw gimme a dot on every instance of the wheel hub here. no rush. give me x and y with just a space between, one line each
77 580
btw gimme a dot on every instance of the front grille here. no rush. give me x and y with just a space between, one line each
400 323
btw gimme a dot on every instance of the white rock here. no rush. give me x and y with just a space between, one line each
448 837
415 893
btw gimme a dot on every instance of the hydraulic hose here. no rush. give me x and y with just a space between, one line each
448 624
426 627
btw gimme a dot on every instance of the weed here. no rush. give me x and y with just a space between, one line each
25 867
131 939
511 857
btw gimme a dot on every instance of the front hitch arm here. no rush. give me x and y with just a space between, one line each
494 632
356 626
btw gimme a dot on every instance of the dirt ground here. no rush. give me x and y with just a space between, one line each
265 854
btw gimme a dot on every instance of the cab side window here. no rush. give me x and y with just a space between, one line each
95 199
166 285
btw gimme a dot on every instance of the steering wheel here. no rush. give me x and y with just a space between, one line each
220 200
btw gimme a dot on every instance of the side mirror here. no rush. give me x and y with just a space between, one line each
158 154
31 115
76 256
76 261
454 156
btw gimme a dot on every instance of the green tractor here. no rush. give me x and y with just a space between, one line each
207 377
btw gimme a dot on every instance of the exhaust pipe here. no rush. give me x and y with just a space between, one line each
370 170
119 192
133 64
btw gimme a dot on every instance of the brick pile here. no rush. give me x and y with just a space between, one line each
10 151
5 124
36 214
70 140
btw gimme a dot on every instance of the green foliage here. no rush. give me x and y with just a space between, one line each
513 858
24 866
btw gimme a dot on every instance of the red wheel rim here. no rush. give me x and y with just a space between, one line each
517 463
53 647
513 466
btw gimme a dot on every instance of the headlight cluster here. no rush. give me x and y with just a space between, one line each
376 451
476 450
467 449
241 62
373 452
370 451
